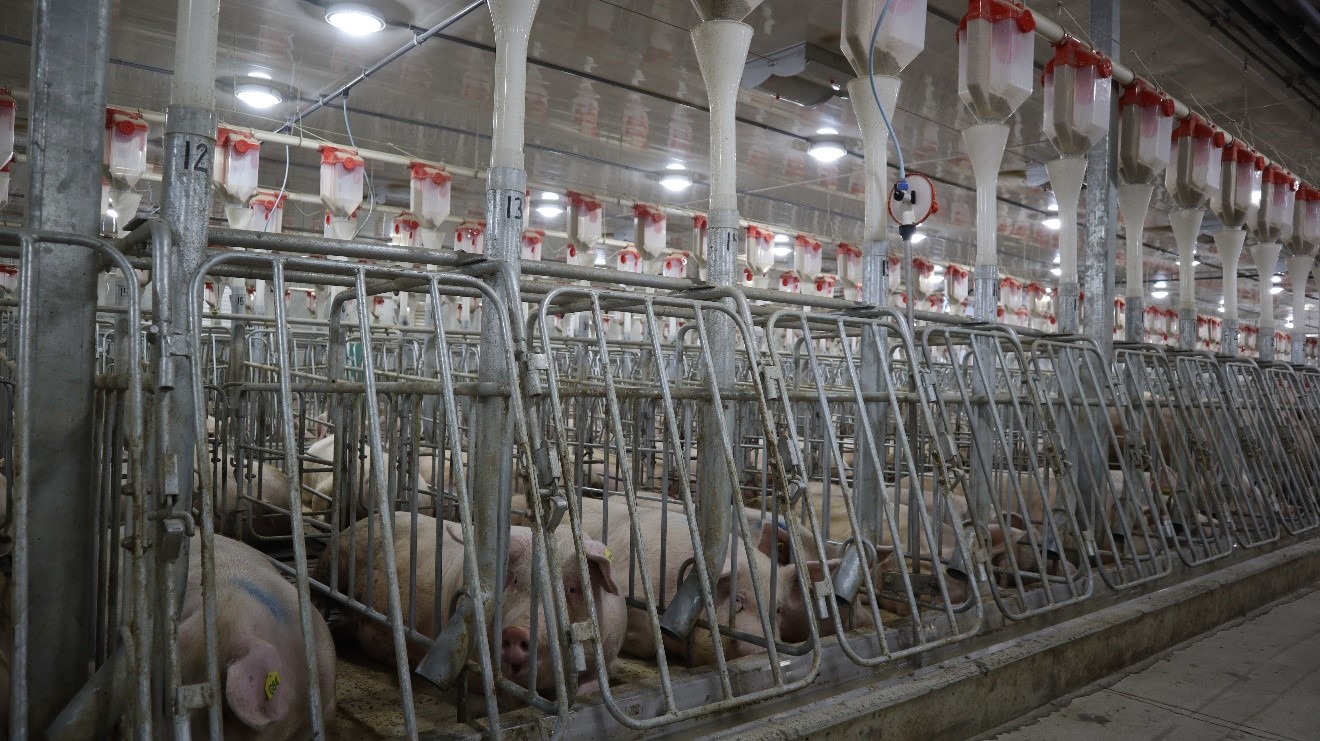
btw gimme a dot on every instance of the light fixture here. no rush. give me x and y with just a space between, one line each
1276 278
1052 223
258 74
1161 284
1053 207
1159 294
937 269
258 96
827 131
781 239
836 87
918 238
1308 307
675 166
354 19
549 196
1276 290
826 150
1056 258
783 251
548 208
112 213
1221 308
1056 271
675 181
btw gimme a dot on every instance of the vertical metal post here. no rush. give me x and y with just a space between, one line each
66 130
189 148
1097 271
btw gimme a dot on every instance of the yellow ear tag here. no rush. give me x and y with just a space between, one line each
272 684
608 556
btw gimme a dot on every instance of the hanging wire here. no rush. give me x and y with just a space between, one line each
902 184
371 193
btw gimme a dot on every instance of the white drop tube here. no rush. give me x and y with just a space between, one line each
193 81
1266 257
513 28
1066 177
1134 201
1299 270
875 139
1229 245
1186 225
985 145
722 53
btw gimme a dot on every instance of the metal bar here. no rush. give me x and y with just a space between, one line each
390 58
65 129
1098 252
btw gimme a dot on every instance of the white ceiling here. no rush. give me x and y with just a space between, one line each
632 57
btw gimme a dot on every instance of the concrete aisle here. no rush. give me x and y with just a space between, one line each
1257 679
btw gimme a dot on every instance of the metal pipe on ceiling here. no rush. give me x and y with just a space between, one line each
385 61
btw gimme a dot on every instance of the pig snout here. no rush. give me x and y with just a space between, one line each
516 646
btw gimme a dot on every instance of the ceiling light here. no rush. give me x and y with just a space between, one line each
937 269
781 239
258 96
783 251
1221 308
258 74
675 182
112 213
836 87
1276 278
1056 258
918 238
1052 223
1056 271
1276 290
826 150
1161 284
1159 294
1053 207
827 131
675 166
548 207
1308 307
548 196
354 19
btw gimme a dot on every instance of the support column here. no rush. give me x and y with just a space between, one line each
1097 273
66 144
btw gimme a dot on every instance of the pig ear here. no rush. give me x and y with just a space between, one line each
255 686
818 572
771 534
601 565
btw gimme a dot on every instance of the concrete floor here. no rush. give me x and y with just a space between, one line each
1259 678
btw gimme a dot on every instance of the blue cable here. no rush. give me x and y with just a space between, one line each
902 184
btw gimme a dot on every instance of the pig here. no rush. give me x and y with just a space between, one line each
669 527
318 485
376 638
266 483
263 672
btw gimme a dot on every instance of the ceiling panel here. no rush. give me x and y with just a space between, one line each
615 94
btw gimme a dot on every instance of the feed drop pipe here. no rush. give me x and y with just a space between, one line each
1274 222
1302 248
1076 116
1239 179
878 50
492 434
994 78
1191 179
1145 125
722 41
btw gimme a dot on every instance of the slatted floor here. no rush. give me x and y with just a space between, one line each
1259 679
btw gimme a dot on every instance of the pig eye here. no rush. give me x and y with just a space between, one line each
739 603
571 589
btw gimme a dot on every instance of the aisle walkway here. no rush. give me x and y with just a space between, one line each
1259 679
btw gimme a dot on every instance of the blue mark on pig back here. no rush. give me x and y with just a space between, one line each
268 600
